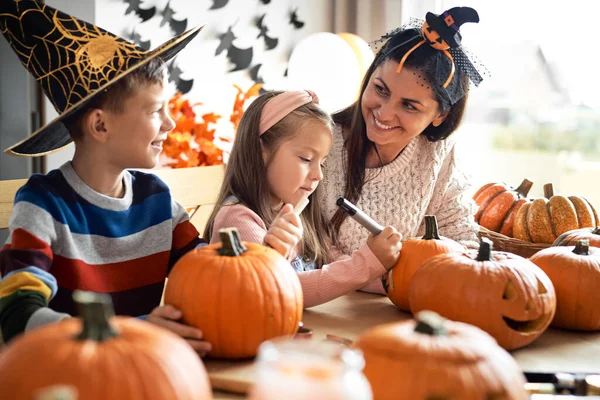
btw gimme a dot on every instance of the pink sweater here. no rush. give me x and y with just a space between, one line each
319 286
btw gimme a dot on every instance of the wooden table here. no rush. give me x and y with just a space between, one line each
350 315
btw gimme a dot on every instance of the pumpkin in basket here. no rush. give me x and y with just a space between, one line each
101 357
545 219
571 238
575 273
433 358
414 253
506 295
498 205
239 294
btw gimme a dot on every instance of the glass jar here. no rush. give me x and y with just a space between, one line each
309 369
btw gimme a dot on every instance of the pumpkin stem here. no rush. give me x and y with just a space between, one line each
430 323
548 190
95 309
596 231
524 188
431 228
232 245
582 247
485 250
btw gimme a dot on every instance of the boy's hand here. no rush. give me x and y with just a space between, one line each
285 231
167 316
386 246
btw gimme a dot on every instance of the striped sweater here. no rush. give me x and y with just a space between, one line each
64 236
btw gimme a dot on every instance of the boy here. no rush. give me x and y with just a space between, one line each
92 224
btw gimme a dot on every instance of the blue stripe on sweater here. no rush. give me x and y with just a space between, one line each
67 207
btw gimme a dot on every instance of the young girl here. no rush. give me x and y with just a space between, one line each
282 141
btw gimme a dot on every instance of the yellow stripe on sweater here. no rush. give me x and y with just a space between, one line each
24 281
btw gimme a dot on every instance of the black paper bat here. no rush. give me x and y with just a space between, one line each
265 2
182 85
137 39
240 57
270 42
144 14
177 26
254 74
295 21
218 4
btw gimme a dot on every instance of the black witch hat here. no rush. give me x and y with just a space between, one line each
73 61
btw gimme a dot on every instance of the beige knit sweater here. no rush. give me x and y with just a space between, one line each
422 180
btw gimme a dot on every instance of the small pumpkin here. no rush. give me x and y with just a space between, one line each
99 356
575 273
498 205
238 293
506 295
571 238
414 253
433 358
545 219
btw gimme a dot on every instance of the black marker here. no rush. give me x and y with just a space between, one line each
359 216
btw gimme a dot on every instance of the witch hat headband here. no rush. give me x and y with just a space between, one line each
73 61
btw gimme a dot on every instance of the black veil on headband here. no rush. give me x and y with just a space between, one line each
432 49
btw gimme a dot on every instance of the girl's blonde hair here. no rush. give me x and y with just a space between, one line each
245 175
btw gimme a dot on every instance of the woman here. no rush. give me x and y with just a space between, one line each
392 154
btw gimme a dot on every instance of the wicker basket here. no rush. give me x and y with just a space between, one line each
512 245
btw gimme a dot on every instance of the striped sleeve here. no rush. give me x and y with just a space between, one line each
185 234
25 259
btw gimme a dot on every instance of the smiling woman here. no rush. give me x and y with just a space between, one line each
391 152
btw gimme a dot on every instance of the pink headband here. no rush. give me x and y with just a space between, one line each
283 104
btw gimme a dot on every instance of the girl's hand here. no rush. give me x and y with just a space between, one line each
386 246
168 316
285 231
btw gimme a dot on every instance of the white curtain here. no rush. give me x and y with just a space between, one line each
369 19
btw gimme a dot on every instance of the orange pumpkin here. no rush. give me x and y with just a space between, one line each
101 357
571 238
498 205
545 219
432 358
414 253
575 273
239 294
506 295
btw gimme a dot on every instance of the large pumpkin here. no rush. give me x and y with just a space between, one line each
101 357
239 294
575 273
432 358
571 238
498 205
414 253
545 219
506 295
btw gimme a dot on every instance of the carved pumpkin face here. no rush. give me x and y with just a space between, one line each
434 38
504 294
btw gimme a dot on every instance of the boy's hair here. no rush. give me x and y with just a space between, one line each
245 175
113 98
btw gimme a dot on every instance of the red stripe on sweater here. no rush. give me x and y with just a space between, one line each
183 234
115 277
24 240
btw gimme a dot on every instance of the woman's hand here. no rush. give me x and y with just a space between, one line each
285 231
168 316
386 246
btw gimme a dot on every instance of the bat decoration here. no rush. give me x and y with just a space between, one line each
295 21
144 14
182 85
265 2
254 74
270 42
241 58
176 26
137 39
218 4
